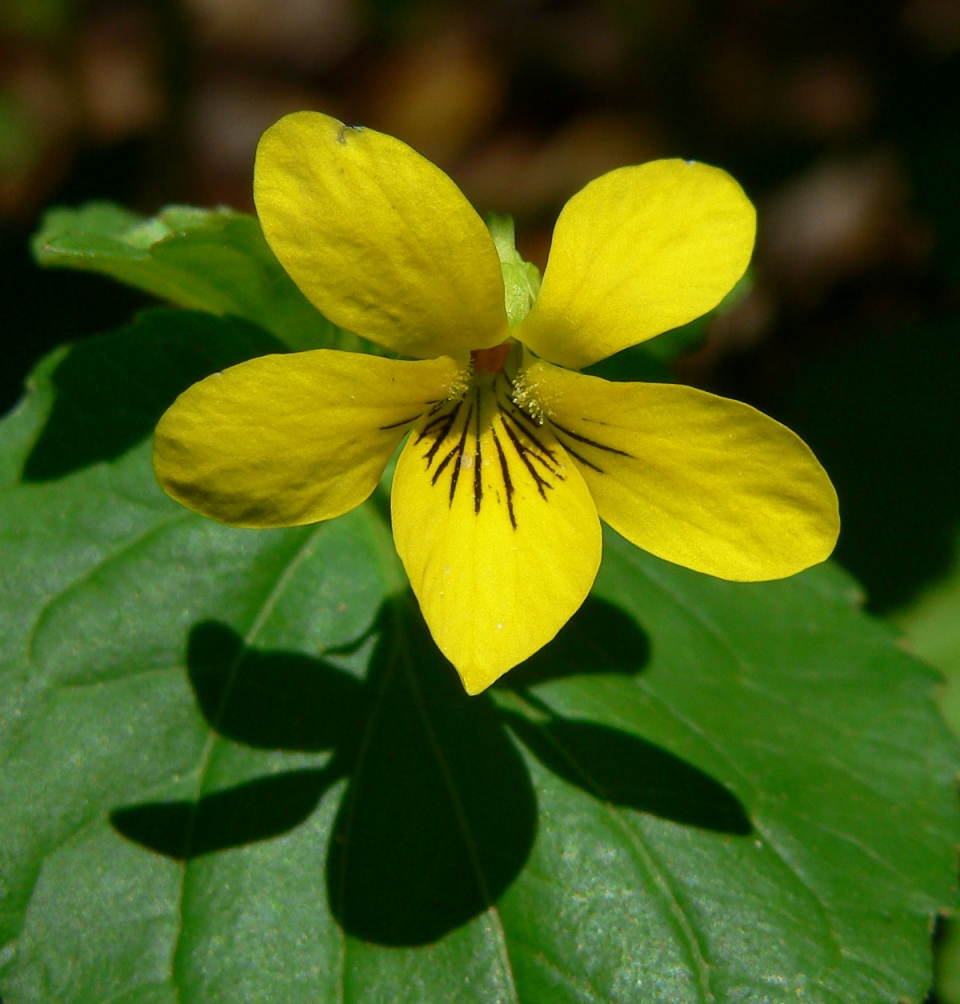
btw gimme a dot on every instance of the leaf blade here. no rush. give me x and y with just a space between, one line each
211 260
209 719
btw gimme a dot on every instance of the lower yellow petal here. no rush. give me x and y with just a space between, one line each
284 440
696 479
496 529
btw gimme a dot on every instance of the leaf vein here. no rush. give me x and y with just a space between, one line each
266 609
109 559
494 922
792 869
686 930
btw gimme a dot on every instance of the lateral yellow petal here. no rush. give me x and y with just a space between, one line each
697 479
284 440
380 240
635 253
496 529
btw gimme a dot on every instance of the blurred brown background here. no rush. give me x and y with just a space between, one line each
841 119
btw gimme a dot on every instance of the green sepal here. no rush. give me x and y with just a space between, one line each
521 279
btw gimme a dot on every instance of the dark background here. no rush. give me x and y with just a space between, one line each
842 120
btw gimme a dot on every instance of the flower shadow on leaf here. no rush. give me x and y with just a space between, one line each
632 773
257 810
439 815
110 391
600 638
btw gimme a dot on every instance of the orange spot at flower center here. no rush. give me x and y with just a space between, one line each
490 360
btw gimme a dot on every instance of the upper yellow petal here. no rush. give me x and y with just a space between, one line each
697 479
497 532
380 240
639 251
284 440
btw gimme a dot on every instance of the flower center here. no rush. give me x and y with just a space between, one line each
491 360
486 446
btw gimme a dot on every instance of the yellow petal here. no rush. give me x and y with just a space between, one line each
697 479
639 251
496 529
290 439
380 240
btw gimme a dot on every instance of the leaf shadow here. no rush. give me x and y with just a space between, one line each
110 391
439 815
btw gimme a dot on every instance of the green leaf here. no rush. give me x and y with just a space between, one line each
932 625
215 260
236 768
932 628
111 391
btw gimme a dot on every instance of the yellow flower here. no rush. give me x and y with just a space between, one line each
511 454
